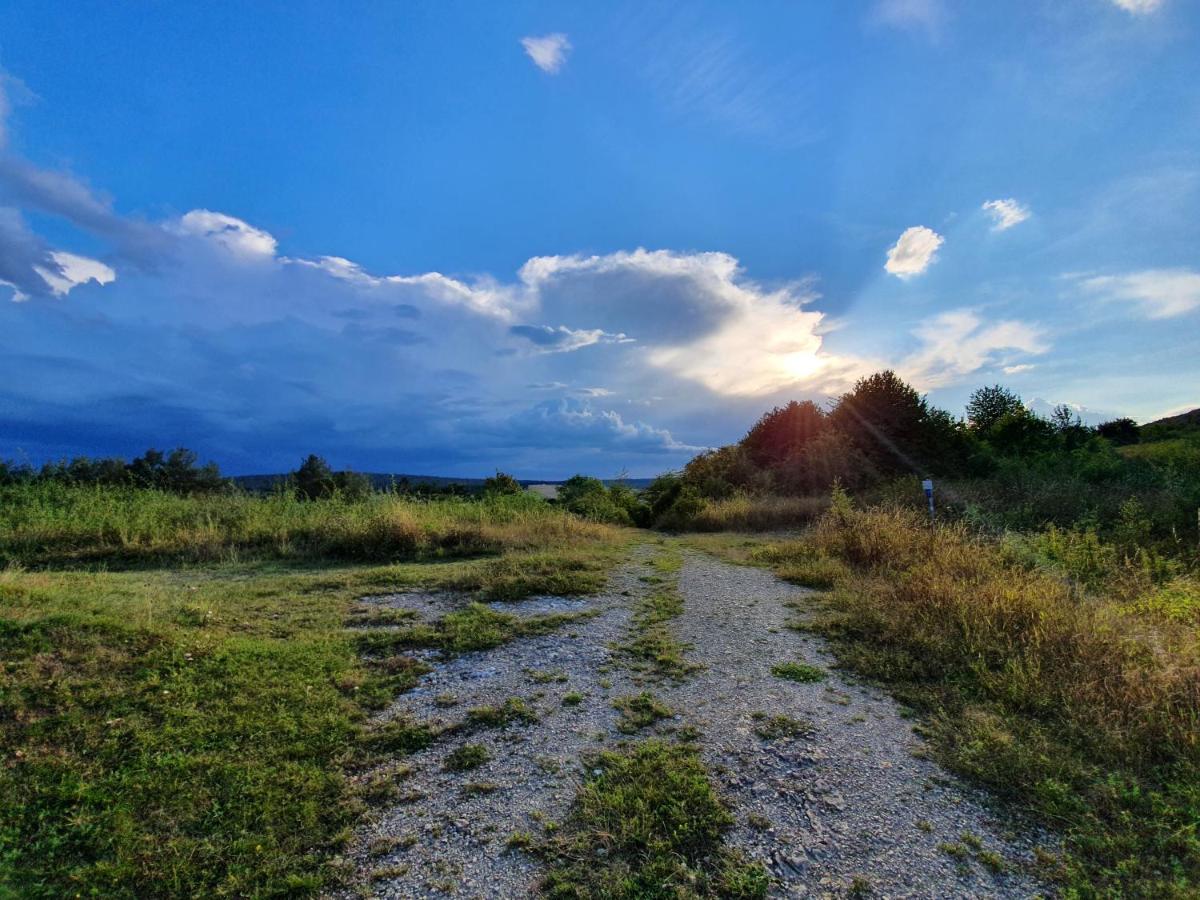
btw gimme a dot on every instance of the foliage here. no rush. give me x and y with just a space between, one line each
177 472
502 483
315 480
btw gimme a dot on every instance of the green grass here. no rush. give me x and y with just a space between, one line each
801 672
640 711
513 710
772 728
647 823
188 731
48 524
652 648
466 757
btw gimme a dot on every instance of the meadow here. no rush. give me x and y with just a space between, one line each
183 708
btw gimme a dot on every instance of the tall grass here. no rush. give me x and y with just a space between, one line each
47 523
745 512
1080 703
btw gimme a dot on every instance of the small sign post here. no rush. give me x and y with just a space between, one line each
927 484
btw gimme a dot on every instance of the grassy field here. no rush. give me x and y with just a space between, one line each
53 524
187 729
1060 673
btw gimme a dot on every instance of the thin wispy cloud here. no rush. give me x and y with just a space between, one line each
1005 213
548 52
914 252
1155 293
959 342
924 16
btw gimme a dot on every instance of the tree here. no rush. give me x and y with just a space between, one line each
314 479
1120 431
988 405
886 418
502 483
783 432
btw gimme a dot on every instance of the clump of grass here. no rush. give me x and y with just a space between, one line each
655 815
399 736
475 627
479 788
572 698
801 672
640 711
800 563
514 709
781 726
466 757
538 676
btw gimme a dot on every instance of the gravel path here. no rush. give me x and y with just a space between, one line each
449 833
849 800
845 807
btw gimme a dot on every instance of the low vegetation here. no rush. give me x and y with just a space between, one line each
640 711
647 823
1056 669
192 731
47 523
652 648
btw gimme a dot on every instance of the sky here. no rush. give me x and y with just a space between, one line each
447 237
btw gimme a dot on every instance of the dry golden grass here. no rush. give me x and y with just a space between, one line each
745 513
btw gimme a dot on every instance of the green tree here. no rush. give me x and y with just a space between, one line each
887 419
1120 431
314 479
502 483
988 405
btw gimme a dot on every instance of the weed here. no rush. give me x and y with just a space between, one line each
514 709
572 698
640 711
801 672
781 726
466 757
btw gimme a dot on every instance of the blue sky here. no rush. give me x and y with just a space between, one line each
551 237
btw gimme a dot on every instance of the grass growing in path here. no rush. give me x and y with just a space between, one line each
801 672
652 648
654 814
640 711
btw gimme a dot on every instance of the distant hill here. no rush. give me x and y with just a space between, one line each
383 481
1183 425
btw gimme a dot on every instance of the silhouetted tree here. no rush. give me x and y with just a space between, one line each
783 432
885 418
502 483
314 479
1120 431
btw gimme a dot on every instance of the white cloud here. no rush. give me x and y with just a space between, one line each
914 252
959 342
1158 293
548 52
1005 213
73 271
1139 7
236 236
1018 369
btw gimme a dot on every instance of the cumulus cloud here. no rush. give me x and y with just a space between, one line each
914 252
1005 213
1156 293
548 52
232 234
1139 7
570 422
958 342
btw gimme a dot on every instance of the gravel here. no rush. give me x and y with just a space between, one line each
848 802
850 799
